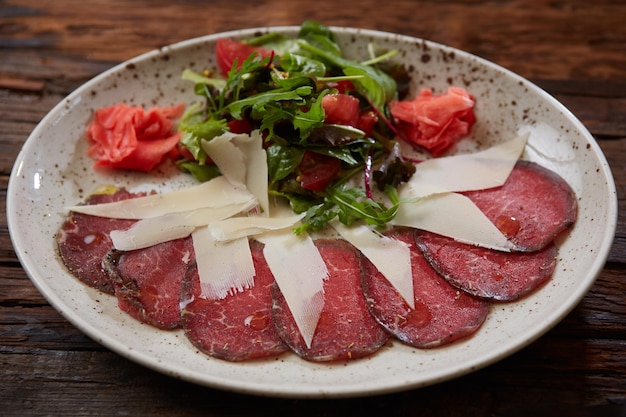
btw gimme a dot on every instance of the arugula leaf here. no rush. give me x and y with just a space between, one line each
320 36
317 44
272 118
349 205
371 82
354 205
377 86
302 116
281 161
239 76
306 121
257 102
353 156
293 81
311 27
317 217
297 64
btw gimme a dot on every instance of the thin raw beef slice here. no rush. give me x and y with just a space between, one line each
148 281
237 327
442 313
532 207
345 329
487 273
83 241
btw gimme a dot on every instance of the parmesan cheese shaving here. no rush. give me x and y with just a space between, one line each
229 159
453 215
256 170
242 160
390 256
154 230
480 170
237 227
223 267
217 192
299 271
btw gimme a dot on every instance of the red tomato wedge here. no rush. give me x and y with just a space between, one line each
317 170
342 87
128 137
341 109
435 123
240 126
228 50
367 121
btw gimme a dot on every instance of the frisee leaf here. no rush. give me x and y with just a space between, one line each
194 129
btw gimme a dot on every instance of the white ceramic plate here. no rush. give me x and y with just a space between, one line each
52 172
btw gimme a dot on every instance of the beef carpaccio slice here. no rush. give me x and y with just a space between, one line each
238 327
532 207
487 273
442 313
148 281
345 330
83 241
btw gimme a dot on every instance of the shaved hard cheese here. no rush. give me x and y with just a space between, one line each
155 230
242 160
237 227
453 215
228 157
257 170
480 170
217 192
223 267
391 257
299 271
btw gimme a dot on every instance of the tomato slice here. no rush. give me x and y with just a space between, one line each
367 121
240 126
317 170
341 109
228 50
343 87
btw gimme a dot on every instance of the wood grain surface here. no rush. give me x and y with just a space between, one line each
575 50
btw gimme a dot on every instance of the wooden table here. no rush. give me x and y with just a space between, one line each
576 50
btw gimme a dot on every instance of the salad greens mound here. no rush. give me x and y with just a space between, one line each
324 119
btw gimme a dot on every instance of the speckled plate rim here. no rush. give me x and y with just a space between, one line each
300 378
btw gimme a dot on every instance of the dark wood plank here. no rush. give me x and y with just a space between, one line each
615 152
20 112
106 384
575 50
589 37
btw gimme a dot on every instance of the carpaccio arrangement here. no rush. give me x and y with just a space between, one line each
316 153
